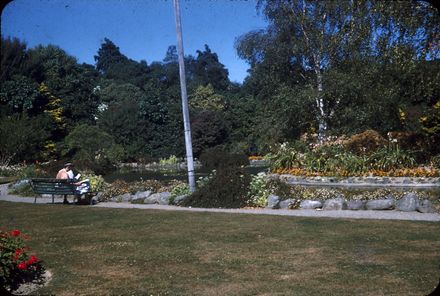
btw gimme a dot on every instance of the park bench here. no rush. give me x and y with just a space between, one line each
56 187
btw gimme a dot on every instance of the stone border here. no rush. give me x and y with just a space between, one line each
402 182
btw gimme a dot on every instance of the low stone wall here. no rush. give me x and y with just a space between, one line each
389 202
410 202
428 182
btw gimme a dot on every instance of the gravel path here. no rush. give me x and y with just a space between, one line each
345 214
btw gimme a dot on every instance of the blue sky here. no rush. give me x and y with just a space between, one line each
142 29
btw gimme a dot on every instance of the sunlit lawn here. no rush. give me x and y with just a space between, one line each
97 251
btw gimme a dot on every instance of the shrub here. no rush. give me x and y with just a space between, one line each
170 160
116 188
21 137
93 148
180 189
97 182
258 190
203 181
31 171
323 158
227 189
285 156
9 171
17 266
346 163
209 129
23 171
365 143
217 158
261 187
416 142
435 161
408 140
391 158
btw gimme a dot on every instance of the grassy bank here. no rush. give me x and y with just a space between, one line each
100 251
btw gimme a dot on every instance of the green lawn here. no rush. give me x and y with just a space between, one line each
98 251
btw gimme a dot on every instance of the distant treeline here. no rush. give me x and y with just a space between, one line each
325 67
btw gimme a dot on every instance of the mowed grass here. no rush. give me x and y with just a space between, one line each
98 251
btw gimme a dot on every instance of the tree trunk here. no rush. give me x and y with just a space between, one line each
321 117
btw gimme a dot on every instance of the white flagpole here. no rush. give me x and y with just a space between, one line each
186 123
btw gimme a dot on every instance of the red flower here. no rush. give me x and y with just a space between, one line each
33 259
18 252
15 232
22 265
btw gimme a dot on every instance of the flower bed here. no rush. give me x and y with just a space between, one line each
407 172
17 266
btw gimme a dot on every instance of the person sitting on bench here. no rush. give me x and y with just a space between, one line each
66 173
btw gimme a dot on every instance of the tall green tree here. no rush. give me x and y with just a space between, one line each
209 129
64 78
205 98
13 57
18 95
22 138
206 69
91 146
319 35
114 65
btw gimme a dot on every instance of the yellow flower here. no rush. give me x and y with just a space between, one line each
402 115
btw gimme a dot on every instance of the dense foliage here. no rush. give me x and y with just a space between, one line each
320 67
226 189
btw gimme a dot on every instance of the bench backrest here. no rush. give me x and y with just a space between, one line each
52 186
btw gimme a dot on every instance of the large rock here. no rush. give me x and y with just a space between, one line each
178 200
380 204
408 203
287 204
310 204
122 198
335 204
356 205
425 206
164 198
158 198
140 196
152 199
273 202
97 198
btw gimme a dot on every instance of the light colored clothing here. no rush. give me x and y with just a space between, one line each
71 175
83 188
